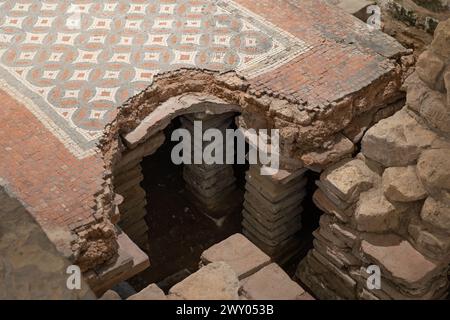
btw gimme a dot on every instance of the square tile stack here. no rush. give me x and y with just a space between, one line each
127 178
212 186
272 210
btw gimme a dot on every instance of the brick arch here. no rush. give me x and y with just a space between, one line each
309 136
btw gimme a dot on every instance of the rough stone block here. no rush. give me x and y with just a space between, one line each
417 90
308 275
429 67
447 86
396 141
436 213
435 111
433 169
374 213
338 202
434 244
442 39
341 258
341 148
349 235
402 184
337 279
329 234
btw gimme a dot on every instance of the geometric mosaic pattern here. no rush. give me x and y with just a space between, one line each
74 62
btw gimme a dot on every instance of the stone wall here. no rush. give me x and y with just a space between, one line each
389 206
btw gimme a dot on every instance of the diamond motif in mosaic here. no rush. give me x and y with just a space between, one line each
74 62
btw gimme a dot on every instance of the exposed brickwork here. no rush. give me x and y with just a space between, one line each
30 265
57 187
304 97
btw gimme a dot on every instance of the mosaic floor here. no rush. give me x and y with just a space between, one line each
73 62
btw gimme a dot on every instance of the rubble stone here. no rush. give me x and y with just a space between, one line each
402 184
348 179
434 110
396 141
390 226
374 213
431 242
442 39
433 169
429 68
436 213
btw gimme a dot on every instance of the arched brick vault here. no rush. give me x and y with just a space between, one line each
312 135
306 131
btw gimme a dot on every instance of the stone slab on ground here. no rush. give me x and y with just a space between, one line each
239 253
152 292
401 261
135 260
110 295
216 281
272 283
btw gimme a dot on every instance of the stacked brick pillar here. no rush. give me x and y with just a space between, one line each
127 179
272 211
212 186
